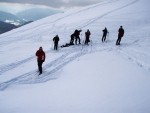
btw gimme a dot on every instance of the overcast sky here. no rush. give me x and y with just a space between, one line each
16 5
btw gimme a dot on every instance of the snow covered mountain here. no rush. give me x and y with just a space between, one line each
10 18
9 21
99 78
4 27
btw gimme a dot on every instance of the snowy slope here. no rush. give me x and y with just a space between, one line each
85 79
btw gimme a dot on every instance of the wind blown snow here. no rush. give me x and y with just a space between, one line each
99 78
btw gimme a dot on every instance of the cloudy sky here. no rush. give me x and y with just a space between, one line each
15 6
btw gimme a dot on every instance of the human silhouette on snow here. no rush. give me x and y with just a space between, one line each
87 36
77 36
40 59
105 32
56 40
120 35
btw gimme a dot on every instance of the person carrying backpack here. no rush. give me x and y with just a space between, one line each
77 36
40 59
56 40
120 35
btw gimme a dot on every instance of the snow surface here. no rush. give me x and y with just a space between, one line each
99 78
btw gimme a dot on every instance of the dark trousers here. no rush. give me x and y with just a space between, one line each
104 38
87 40
72 40
55 45
77 38
40 66
118 41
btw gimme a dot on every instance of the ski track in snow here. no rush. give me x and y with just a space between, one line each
138 62
11 66
120 49
51 68
130 57
101 16
135 60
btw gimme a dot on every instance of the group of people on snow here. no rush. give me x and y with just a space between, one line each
75 37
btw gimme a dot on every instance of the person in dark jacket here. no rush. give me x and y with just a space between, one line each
56 40
105 32
87 36
77 35
40 59
67 45
120 35
70 43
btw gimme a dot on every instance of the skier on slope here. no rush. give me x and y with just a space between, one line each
105 31
120 35
77 36
56 40
87 36
40 59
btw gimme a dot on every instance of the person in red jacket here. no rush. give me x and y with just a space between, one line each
40 59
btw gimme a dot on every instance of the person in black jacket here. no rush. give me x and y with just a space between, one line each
120 35
77 35
56 40
87 36
105 31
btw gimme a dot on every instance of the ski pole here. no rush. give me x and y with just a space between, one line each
107 37
81 37
91 45
52 44
82 45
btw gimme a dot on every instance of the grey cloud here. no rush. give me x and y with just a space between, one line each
55 3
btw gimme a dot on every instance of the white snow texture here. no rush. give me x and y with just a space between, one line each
98 78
